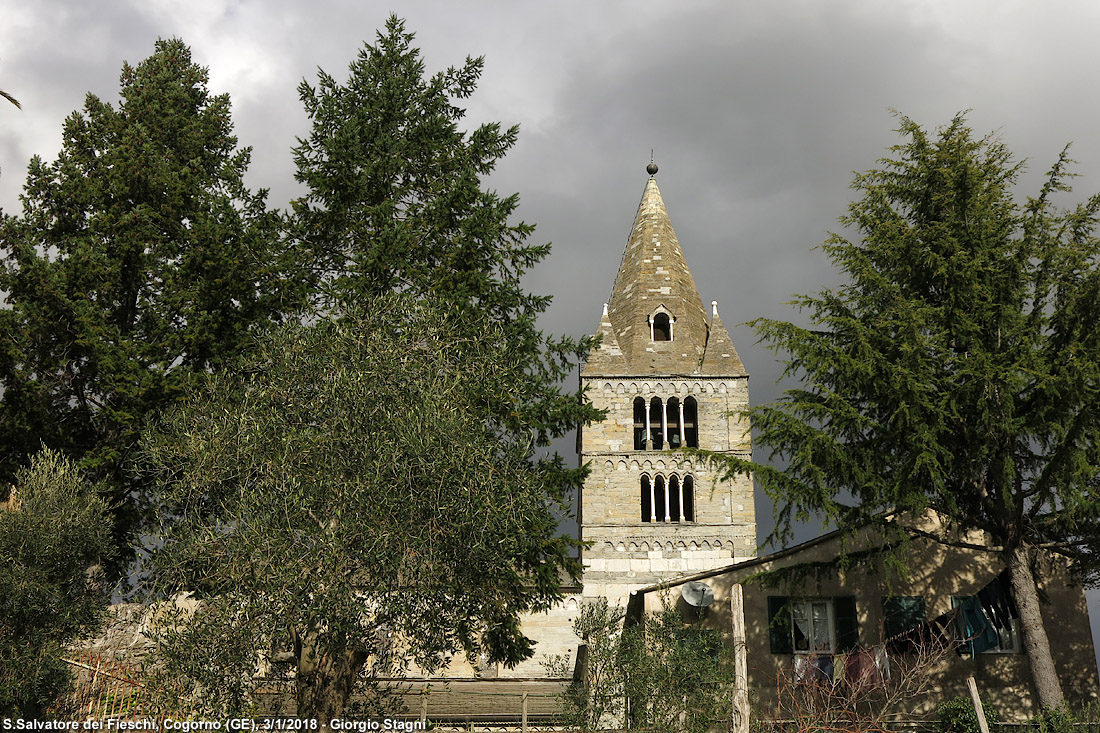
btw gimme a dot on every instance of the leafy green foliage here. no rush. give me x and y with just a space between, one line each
667 674
53 537
596 700
957 715
140 260
1057 720
678 675
351 501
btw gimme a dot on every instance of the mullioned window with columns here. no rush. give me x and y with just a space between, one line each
668 498
666 423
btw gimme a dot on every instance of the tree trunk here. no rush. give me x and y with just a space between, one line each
1032 631
324 681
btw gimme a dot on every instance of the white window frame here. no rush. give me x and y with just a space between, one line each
804 609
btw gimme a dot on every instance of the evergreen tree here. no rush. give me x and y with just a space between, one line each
140 260
958 370
395 203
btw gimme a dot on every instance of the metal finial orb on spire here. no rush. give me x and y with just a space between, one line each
651 169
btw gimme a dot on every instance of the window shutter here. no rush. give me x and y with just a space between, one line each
901 613
902 621
847 623
779 625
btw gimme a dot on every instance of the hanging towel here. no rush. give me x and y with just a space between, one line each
882 662
980 634
861 671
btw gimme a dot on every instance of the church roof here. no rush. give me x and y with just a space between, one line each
653 283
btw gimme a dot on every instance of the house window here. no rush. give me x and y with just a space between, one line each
1008 638
812 625
902 623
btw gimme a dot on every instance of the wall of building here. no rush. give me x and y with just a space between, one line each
627 553
937 573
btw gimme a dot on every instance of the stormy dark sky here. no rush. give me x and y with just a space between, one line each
757 112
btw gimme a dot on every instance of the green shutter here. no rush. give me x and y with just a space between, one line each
847 623
779 625
901 613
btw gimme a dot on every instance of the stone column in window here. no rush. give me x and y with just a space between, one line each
683 435
648 437
664 424
652 500
680 498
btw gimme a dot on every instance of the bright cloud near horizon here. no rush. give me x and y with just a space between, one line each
757 113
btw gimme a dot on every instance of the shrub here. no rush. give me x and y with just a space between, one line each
957 715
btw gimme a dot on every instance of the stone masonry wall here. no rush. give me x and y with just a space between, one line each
627 553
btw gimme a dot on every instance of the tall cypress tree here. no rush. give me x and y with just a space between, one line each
140 260
958 370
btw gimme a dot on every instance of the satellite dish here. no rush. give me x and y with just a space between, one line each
697 594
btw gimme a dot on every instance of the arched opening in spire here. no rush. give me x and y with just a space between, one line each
660 499
662 327
674 508
673 416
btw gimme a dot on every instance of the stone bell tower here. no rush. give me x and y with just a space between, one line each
669 378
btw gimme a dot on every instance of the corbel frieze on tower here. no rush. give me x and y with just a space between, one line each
669 378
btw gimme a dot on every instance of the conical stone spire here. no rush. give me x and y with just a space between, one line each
654 283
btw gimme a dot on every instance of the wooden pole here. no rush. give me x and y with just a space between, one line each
741 662
523 724
974 698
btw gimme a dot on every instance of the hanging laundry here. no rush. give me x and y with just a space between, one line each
824 665
861 672
840 668
882 662
996 600
813 669
980 635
